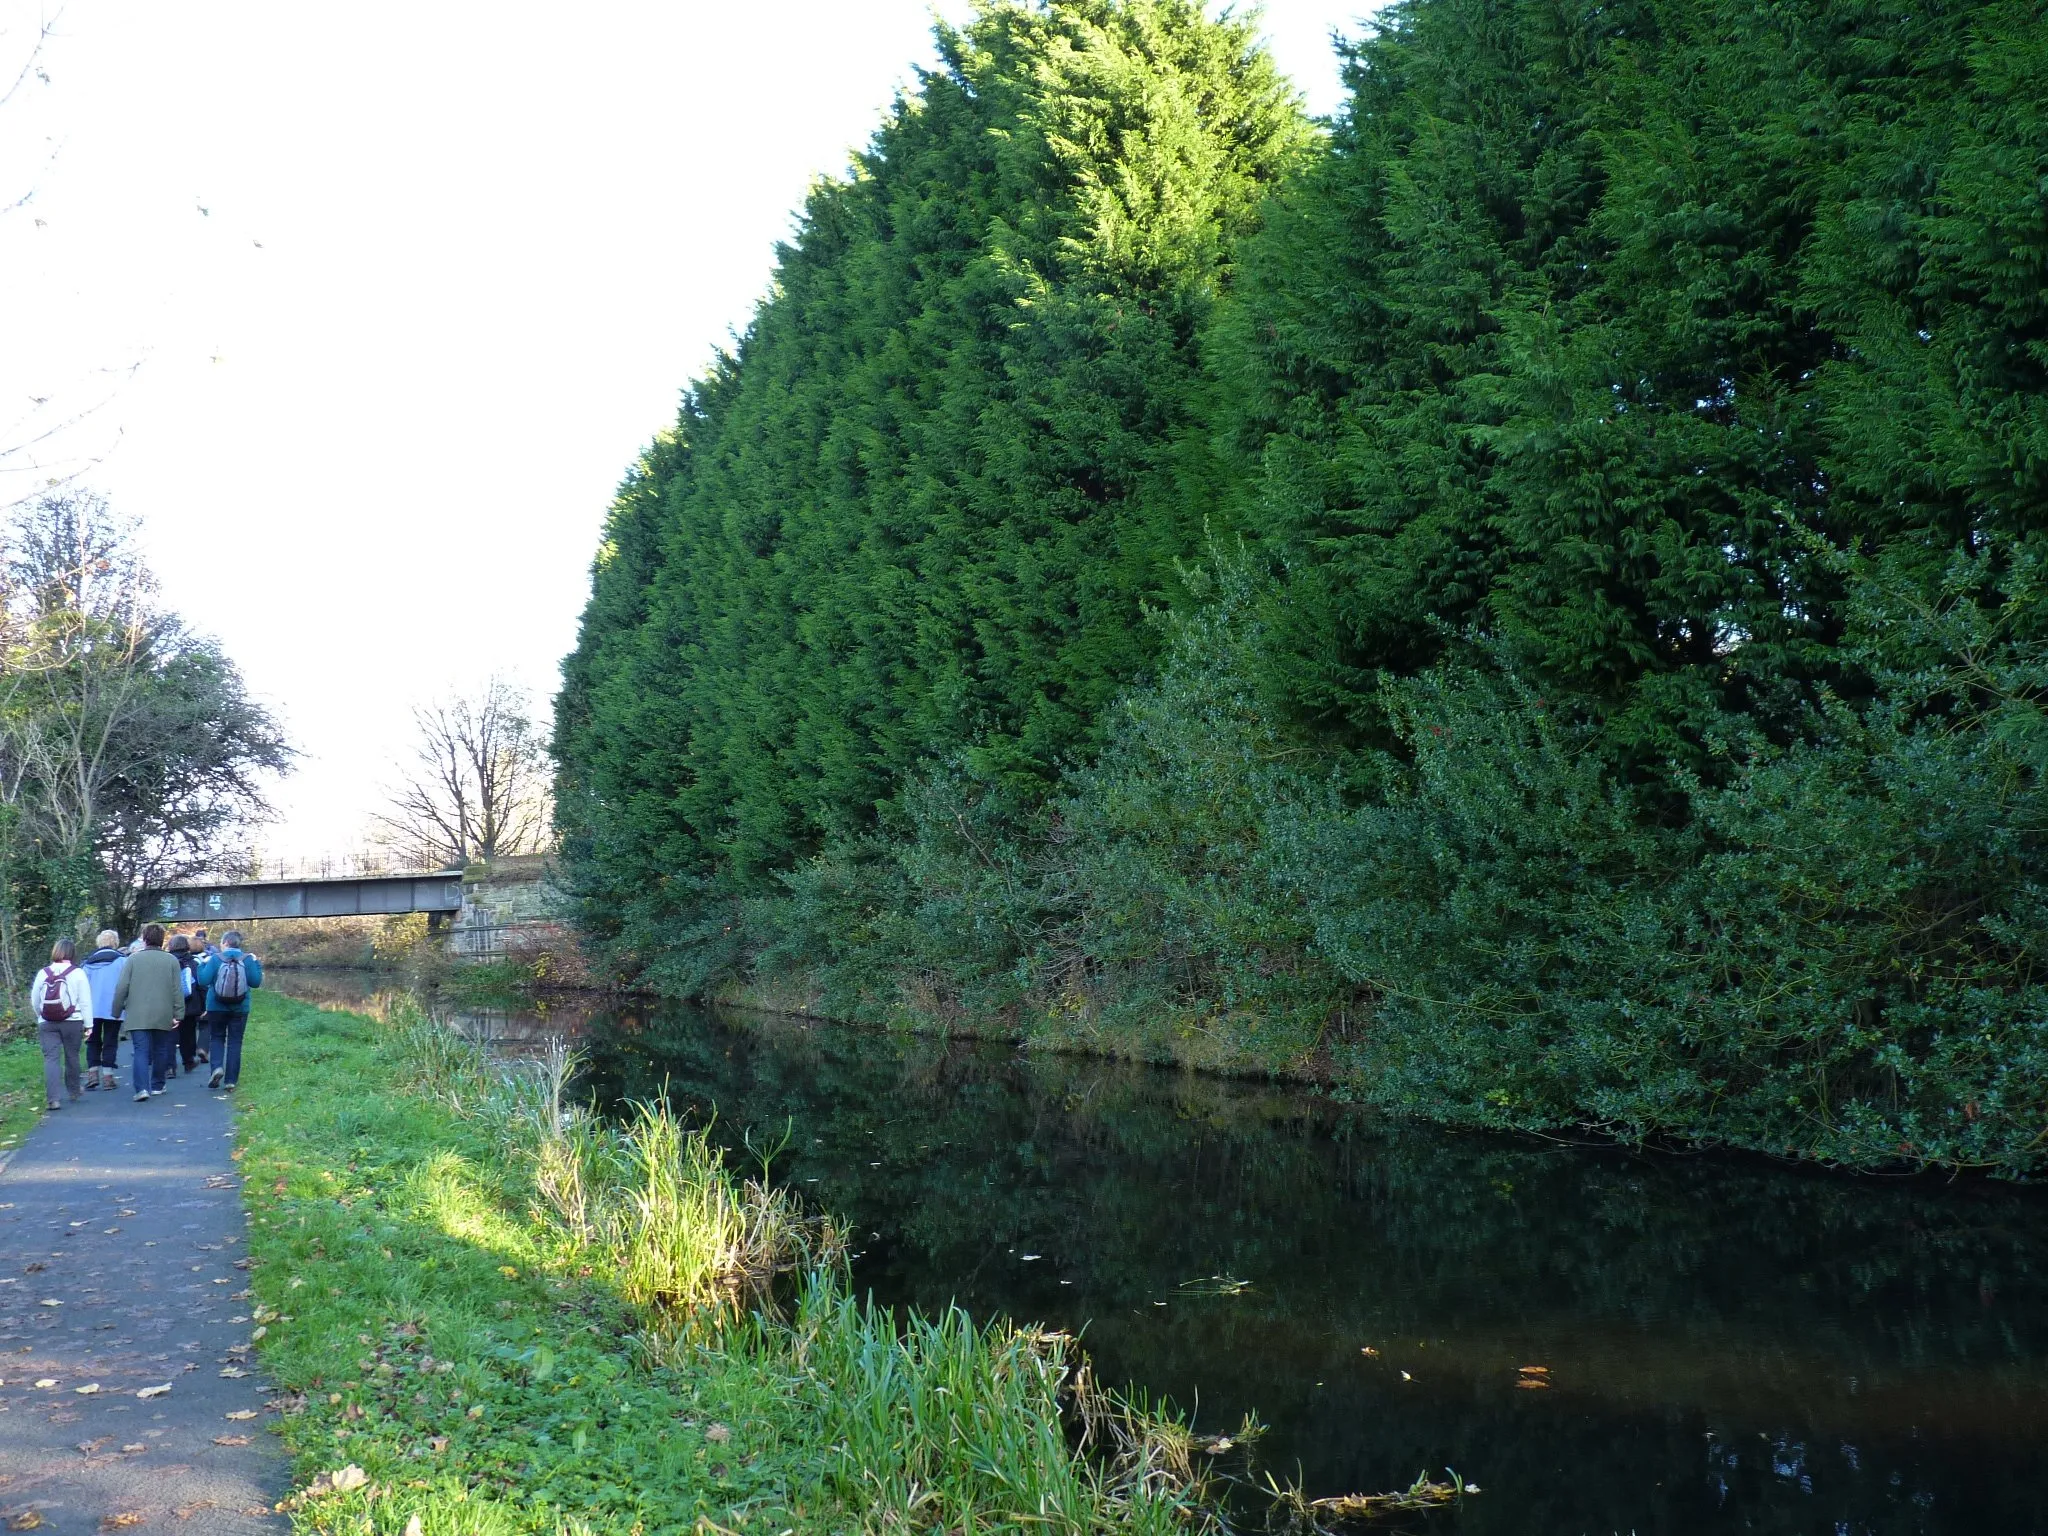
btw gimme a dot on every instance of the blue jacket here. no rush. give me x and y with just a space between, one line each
103 968
252 968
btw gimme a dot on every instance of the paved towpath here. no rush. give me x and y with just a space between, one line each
125 1215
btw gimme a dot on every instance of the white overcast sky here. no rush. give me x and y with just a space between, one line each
375 302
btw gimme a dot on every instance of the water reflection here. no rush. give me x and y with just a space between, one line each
1729 1346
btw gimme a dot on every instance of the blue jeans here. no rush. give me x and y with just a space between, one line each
228 1029
149 1058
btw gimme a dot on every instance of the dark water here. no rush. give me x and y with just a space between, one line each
1731 1346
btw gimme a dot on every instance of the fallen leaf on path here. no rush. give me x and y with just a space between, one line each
88 1389
130 1450
187 1511
218 1181
47 1382
145 1393
50 1302
240 1413
234 1373
27 1520
230 1439
126 1518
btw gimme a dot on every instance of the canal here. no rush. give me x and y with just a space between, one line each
1604 1342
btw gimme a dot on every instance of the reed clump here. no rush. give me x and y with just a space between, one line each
942 1424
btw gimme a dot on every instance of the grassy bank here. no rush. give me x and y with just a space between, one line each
21 1084
512 1319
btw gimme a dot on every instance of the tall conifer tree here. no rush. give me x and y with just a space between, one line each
920 511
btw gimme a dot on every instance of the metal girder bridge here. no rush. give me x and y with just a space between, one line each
438 894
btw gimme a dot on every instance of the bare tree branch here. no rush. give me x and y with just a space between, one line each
477 786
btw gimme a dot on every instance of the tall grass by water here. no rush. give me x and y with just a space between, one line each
716 1315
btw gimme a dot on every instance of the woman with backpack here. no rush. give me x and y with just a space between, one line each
61 1000
229 977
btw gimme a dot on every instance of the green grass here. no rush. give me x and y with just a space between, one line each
21 1084
453 1288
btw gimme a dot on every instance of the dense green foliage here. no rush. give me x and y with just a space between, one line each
1619 700
923 507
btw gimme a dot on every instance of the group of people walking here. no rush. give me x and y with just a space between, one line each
159 995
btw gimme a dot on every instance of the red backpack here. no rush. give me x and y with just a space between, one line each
55 1009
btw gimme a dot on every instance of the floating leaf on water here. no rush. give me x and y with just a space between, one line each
1216 1285
1406 1377
1535 1370
1368 1350
1533 1384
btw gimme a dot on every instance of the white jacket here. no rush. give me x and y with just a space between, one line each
77 994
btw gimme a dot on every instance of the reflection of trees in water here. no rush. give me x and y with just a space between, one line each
1670 1296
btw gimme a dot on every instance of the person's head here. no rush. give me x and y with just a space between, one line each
109 939
231 940
153 936
179 945
199 938
63 952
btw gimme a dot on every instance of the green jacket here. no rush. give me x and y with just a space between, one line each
151 991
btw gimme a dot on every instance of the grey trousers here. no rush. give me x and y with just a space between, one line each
60 1044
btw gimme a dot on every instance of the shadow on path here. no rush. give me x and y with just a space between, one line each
121 1241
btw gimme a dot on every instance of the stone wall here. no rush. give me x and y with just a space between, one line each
512 909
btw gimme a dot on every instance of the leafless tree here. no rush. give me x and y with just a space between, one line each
477 786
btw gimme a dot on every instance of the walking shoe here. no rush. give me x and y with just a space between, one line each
201 1054
142 1098
53 1104
92 1084
155 1091
227 1087
218 1074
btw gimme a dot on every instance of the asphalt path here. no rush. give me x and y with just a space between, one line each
121 1273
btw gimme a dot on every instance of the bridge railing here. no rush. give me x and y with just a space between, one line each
339 866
